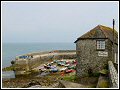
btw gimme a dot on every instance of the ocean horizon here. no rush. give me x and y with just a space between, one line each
11 50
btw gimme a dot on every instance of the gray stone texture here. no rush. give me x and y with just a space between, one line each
113 75
87 56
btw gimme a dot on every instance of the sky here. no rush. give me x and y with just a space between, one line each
24 22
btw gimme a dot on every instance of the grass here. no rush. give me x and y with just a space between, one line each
97 74
10 68
103 84
92 81
70 78
104 71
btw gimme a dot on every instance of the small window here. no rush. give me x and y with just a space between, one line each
101 44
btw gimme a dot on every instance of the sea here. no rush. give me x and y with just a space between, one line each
11 50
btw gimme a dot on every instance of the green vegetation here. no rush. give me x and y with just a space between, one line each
70 78
103 84
10 68
97 74
104 71
106 66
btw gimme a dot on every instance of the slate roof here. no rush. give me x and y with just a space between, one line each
100 31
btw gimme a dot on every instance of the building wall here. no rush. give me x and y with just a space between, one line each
87 56
110 48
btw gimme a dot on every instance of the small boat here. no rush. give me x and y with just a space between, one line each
67 62
71 67
54 70
63 69
55 61
51 62
52 67
68 70
66 65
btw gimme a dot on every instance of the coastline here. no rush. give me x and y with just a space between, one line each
47 80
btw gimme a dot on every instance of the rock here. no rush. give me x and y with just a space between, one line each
33 82
35 86
67 84
44 87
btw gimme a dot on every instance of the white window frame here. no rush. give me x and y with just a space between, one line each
100 44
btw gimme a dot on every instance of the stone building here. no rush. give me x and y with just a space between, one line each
94 49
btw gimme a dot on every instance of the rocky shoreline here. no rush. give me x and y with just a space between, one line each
34 78
28 81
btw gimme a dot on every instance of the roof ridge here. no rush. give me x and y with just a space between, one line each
105 32
102 31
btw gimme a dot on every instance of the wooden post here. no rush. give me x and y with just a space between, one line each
113 40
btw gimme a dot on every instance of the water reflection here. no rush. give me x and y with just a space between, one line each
11 74
8 74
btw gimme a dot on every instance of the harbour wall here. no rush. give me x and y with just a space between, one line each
38 58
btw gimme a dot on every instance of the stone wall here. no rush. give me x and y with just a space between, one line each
113 75
42 58
46 52
88 58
